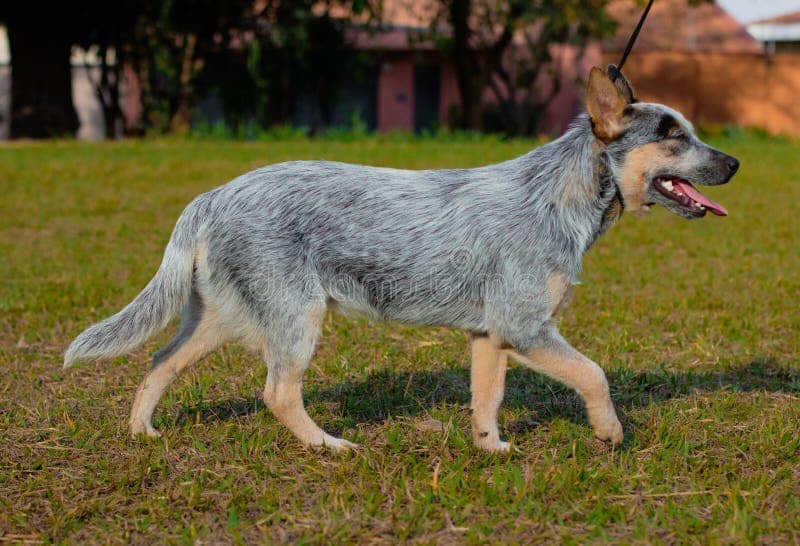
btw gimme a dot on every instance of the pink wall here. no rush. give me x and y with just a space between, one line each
396 94
574 70
449 95
131 99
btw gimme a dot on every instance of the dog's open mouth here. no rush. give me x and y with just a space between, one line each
683 193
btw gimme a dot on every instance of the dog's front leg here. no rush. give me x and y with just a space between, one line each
488 377
556 358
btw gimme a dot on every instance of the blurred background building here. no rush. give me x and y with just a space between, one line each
711 67
778 34
397 65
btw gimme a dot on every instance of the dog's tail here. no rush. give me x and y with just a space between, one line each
152 309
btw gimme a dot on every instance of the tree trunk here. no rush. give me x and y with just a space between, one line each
41 79
181 120
108 90
470 80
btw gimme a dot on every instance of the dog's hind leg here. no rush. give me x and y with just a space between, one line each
558 359
287 362
199 334
488 374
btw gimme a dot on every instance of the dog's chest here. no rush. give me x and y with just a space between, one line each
559 292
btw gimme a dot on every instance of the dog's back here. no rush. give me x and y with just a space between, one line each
379 241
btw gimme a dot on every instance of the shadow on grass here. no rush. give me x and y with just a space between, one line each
387 393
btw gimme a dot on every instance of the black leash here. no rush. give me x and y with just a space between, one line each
614 72
631 41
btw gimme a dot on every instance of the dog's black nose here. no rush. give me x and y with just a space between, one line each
733 165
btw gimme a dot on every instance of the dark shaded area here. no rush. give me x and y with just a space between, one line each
255 62
386 393
242 66
41 90
427 92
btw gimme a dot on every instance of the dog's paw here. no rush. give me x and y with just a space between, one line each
138 428
495 445
337 444
610 431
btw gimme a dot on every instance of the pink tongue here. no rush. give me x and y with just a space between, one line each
713 206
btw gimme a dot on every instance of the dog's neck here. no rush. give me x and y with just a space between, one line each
582 180
609 195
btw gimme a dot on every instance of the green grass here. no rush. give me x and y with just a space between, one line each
695 322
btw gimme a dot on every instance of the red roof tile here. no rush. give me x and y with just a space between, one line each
788 18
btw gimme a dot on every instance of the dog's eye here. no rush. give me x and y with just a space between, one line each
675 132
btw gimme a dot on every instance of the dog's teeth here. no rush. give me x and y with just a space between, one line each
667 184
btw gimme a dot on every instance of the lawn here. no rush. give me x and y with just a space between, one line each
696 324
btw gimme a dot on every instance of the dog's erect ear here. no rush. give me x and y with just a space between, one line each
605 104
621 82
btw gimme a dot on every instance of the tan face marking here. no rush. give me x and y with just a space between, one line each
635 174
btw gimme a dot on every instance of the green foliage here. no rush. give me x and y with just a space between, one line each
507 49
356 131
169 46
246 131
281 62
260 60
299 53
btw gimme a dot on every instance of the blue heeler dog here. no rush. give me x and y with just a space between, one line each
492 250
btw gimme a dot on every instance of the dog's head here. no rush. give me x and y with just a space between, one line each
657 157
